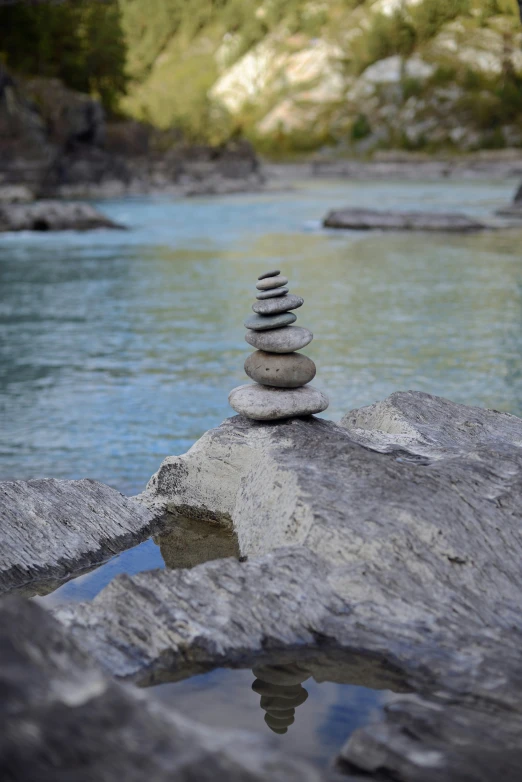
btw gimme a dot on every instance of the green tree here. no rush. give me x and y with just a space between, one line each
80 42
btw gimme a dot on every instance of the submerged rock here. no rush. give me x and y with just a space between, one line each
52 529
48 215
372 219
63 718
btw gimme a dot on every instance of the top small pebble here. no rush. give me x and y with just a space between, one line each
269 274
271 282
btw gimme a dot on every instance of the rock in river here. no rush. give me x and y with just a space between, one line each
280 340
373 219
282 370
262 322
271 282
273 273
269 404
52 216
275 306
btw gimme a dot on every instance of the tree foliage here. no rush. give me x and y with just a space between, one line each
80 42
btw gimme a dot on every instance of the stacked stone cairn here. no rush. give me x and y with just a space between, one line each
281 691
281 374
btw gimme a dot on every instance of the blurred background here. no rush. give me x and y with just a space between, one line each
219 133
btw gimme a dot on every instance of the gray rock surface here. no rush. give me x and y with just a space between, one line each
281 370
264 322
271 294
398 559
518 196
64 719
48 215
280 304
273 273
284 340
272 282
370 219
51 529
263 403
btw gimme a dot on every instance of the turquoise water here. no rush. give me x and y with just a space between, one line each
119 348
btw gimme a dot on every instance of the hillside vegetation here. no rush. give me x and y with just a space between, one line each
291 75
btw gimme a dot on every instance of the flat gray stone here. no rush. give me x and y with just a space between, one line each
285 340
51 529
263 322
273 273
374 219
272 282
282 370
262 403
275 306
272 294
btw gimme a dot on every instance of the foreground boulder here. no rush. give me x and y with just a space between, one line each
389 544
372 220
48 215
51 529
64 719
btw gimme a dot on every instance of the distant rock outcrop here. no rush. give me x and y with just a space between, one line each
56 142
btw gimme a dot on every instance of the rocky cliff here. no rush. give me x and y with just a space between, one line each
360 74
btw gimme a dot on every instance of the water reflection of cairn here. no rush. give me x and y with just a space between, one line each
281 690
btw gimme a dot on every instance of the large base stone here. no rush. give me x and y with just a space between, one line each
392 542
262 403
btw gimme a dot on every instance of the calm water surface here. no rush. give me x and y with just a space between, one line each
119 348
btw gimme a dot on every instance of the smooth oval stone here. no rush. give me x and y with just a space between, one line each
269 274
262 322
263 403
272 282
281 304
285 340
283 370
272 294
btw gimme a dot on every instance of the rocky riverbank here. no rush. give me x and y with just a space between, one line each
57 143
383 550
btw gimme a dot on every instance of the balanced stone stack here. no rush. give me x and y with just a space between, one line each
281 374
281 690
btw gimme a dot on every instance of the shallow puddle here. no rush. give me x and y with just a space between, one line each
305 718
184 543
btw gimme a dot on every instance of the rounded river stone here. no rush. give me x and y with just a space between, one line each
272 294
283 370
272 282
262 403
262 322
275 306
273 273
280 340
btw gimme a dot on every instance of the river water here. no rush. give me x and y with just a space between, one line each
119 348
